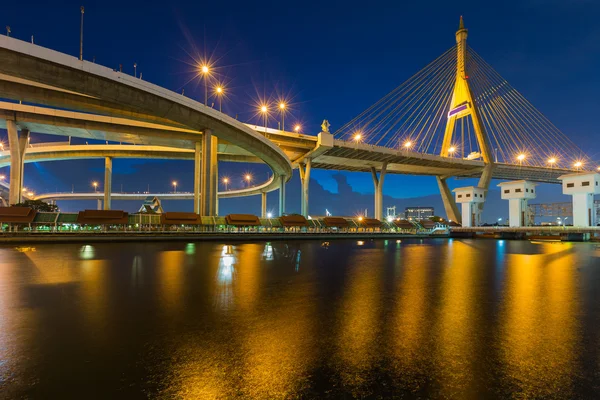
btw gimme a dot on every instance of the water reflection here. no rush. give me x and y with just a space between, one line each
87 252
170 274
268 252
225 277
359 321
459 314
539 322
413 322
431 319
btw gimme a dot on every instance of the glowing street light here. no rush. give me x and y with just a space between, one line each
297 128
95 185
552 161
408 144
248 179
452 150
174 183
357 137
225 182
521 157
2 177
219 91
205 70
265 110
282 109
30 194
578 165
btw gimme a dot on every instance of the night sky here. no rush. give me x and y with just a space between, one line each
328 60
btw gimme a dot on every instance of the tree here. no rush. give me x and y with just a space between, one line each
38 205
435 218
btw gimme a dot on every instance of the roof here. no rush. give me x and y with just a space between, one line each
577 174
45 218
102 217
370 222
67 218
337 222
293 220
23 215
180 218
242 220
403 224
464 189
510 183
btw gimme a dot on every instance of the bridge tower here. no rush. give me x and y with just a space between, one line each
463 106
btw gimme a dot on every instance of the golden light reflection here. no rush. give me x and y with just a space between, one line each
459 319
95 299
170 271
359 320
225 278
411 326
280 347
249 276
539 322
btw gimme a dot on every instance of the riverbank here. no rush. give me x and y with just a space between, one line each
18 238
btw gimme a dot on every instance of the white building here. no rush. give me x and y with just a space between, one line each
470 197
518 193
582 186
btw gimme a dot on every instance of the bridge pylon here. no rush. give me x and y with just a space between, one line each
463 106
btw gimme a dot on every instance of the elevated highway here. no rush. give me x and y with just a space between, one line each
107 105
33 74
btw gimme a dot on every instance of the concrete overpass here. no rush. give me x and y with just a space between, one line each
37 75
127 109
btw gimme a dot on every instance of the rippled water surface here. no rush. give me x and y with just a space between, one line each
379 319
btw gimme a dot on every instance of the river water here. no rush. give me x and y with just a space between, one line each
376 319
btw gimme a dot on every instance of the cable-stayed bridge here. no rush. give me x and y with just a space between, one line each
457 117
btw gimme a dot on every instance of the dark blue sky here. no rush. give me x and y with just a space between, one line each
331 59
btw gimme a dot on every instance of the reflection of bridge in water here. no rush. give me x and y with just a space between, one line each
457 117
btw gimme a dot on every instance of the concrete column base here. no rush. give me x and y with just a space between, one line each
281 195
107 182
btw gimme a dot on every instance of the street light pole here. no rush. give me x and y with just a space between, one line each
81 37
282 108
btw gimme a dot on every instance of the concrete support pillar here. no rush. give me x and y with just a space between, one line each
208 198
518 193
517 212
470 214
107 182
23 144
469 198
99 204
18 145
378 184
582 186
215 177
584 213
305 181
281 195
450 206
197 176
484 182
263 205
